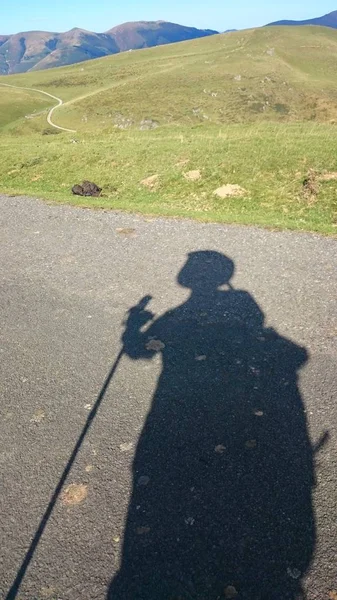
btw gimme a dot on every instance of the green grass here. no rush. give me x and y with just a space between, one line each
269 161
16 105
254 108
262 75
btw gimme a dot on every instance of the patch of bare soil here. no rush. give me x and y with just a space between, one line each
193 175
228 190
151 182
182 162
329 176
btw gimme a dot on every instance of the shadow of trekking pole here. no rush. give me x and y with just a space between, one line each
12 593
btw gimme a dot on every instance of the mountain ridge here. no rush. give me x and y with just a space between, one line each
328 20
35 50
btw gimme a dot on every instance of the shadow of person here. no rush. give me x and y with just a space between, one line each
223 472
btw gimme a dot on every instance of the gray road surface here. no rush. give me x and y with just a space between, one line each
210 467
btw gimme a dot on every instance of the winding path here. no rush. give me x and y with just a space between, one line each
59 100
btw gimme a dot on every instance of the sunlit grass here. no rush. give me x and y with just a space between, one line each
254 108
268 161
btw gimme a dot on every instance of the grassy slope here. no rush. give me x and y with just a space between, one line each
260 131
18 104
283 74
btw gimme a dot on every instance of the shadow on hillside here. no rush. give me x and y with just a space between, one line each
223 472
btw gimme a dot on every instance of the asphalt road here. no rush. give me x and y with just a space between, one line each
208 465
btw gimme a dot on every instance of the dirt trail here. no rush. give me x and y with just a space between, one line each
82 97
59 100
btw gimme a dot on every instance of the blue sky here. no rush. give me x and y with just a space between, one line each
61 15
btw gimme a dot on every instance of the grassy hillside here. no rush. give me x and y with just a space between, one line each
254 109
268 161
270 74
16 105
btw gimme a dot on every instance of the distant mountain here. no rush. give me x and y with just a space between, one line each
146 34
329 20
35 50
